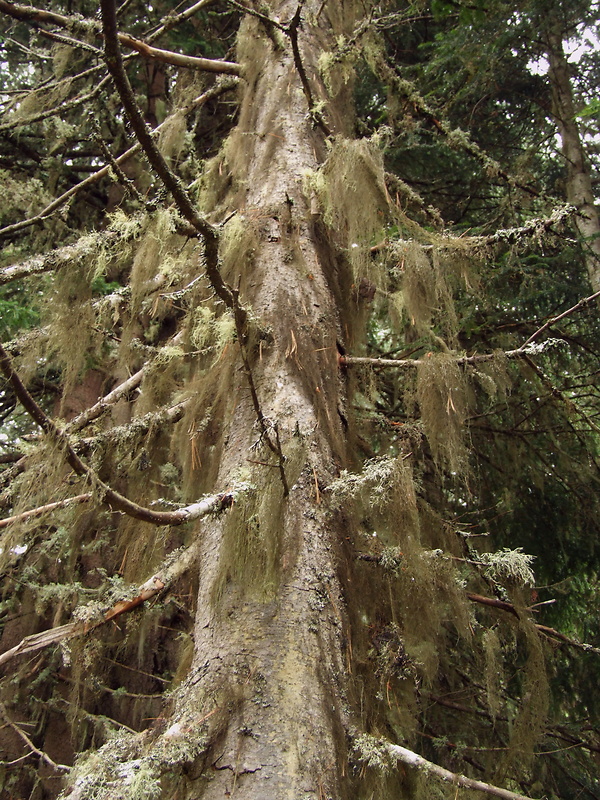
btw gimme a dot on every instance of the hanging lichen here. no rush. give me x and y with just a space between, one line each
351 190
492 670
441 394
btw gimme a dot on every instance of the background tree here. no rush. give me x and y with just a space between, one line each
300 411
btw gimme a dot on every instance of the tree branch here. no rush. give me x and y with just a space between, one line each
551 633
171 20
106 495
59 109
523 351
56 259
32 14
93 412
9 230
156 584
44 756
292 31
179 60
172 183
36 512
375 750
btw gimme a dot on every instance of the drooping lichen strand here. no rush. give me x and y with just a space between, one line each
442 397
351 189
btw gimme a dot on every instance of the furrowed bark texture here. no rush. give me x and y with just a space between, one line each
269 654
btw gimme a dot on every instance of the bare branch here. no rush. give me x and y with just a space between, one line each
567 313
412 759
58 109
551 633
371 749
179 60
93 412
21 733
153 586
171 20
403 363
292 31
32 14
523 351
37 512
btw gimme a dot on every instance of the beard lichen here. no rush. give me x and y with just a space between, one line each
350 188
442 398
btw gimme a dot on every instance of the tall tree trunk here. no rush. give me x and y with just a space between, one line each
579 184
268 665
269 630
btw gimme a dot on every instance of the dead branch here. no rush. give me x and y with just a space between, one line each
412 759
503 605
37 512
149 589
523 351
567 313
58 109
493 602
93 412
179 60
172 19
21 733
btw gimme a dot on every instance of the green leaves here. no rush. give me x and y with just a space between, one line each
15 315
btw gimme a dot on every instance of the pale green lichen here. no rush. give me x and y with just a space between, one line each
509 565
370 751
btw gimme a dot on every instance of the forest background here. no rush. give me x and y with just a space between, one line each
299 415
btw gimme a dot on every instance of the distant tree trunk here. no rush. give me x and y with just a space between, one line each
579 185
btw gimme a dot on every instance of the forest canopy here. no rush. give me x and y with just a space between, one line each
299 399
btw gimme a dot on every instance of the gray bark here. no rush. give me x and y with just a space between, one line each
579 185
269 658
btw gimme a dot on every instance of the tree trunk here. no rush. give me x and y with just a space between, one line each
579 185
269 629
269 664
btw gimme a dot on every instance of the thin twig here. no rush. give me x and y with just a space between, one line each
44 756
